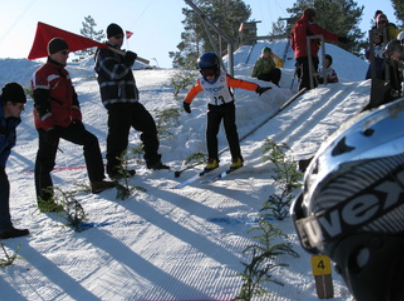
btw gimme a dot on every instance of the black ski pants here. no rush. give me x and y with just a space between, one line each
121 117
273 76
304 73
227 113
46 156
5 218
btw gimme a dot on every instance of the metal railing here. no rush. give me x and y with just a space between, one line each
230 42
314 73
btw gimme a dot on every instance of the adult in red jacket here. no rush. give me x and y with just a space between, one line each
304 27
57 115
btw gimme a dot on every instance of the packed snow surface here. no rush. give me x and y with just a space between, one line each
171 244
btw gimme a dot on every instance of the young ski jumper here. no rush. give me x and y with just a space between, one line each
220 107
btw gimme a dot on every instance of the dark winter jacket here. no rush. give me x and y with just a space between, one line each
392 31
7 136
115 77
55 100
299 33
379 62
263 66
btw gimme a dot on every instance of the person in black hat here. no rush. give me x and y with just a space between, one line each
120 97
57 115
12 100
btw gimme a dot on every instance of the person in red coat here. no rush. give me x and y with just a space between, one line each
304 27
57 115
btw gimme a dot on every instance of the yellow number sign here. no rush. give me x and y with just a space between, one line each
321 265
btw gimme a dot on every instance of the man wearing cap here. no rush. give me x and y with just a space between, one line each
120 97
57 115
265 69
304 27
12 104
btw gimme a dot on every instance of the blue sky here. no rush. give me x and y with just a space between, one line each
156 24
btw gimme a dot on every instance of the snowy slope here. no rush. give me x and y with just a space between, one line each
168 244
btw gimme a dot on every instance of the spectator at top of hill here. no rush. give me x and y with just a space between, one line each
377 13
330 73
265 69
377 41
382 22
304 27
392 32
400 37
394 50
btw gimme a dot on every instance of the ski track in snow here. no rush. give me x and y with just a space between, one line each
169 244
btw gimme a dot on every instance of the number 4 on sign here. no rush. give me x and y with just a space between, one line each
321 266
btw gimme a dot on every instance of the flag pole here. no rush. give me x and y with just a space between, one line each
45 33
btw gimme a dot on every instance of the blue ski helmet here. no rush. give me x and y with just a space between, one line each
209 61
352 205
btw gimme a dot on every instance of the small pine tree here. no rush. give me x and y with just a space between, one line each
89 31
9 259
225 14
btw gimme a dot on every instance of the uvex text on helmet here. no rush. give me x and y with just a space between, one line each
352 206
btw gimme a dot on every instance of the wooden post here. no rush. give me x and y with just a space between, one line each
321 266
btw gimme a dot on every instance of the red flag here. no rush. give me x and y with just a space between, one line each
45 33
128 34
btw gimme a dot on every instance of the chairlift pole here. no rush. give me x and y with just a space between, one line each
313 73
205 25
230 42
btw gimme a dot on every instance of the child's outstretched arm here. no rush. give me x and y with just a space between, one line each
195 90
246 85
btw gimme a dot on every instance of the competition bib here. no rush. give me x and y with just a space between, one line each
218 92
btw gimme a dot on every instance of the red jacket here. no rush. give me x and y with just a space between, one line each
55 100
301 30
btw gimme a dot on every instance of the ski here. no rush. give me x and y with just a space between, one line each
193 179
221 175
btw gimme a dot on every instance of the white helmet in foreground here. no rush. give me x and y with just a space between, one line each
352 205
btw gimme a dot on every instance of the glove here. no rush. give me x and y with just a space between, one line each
130 58
187 107
261 90
51 137
343 40
78 124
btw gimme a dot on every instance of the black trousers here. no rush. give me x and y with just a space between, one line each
121 117
216 114
46 156
5 218
273 76
304 73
